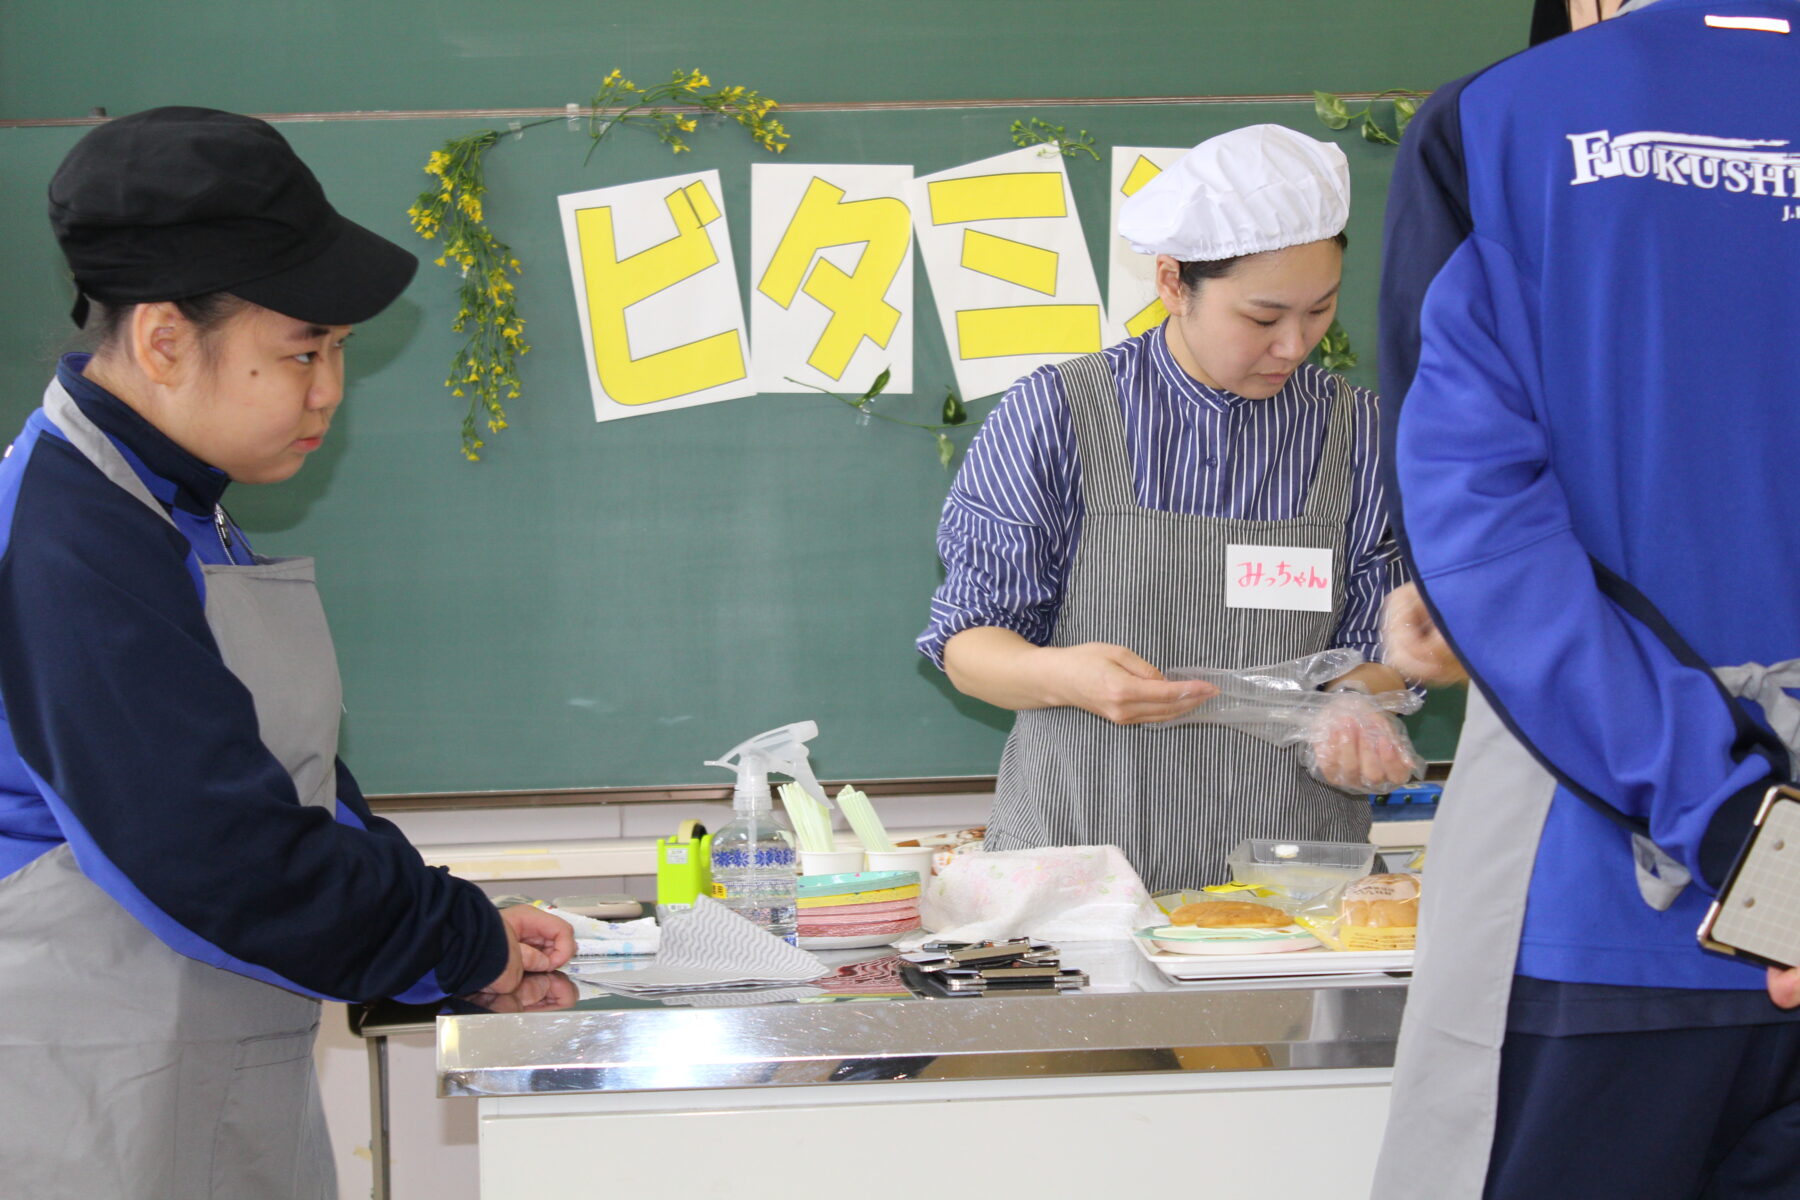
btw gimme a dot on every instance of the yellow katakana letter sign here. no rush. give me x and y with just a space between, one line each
652 315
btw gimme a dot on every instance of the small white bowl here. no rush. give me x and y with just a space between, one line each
830 862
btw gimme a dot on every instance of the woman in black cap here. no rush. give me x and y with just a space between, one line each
185 867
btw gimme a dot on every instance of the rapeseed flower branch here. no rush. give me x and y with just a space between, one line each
484 369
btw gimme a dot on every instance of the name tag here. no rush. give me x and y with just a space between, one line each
1297 578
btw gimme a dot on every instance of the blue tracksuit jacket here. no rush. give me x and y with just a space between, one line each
1589 311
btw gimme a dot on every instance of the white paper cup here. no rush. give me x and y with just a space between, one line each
830 862
909 858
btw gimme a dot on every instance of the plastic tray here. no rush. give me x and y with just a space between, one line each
1299 964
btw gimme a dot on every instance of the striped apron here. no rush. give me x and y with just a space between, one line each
1176 800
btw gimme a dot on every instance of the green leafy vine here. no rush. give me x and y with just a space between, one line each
485 367
955 414
1056 137
1402 104
1333 351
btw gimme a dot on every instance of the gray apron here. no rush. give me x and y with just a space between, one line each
1484 845
1177 799
127 1070
1447 1068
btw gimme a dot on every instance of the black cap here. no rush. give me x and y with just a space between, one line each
177 202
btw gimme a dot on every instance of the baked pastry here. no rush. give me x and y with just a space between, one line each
1229 914
1382 902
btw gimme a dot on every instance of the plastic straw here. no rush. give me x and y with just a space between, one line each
862 818
820 820
812 824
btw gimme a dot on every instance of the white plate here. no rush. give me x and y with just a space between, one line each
861 942
1283 940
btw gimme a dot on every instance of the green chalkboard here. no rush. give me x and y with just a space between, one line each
610 604
59 59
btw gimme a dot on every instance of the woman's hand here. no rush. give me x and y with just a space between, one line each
1415 646
999 666
536 941
1358 747
1115 683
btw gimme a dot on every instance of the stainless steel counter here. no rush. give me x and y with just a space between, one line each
860 1027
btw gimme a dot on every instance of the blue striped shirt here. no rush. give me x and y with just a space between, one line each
1013 517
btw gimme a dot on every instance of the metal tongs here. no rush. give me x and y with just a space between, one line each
974 968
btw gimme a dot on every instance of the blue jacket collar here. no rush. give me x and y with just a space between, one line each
173 475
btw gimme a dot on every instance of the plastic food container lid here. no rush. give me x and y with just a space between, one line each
1299 868
1268 851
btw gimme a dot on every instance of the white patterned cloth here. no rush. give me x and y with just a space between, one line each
1067 893
709 948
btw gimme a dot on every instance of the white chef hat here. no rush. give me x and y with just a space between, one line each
1253 189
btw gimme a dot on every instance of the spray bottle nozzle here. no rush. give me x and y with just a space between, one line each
782 750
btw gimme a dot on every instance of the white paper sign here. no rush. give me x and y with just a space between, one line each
1131 277
831 276
1009 268
1297 578
657 295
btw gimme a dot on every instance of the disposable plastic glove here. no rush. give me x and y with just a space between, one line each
1356 745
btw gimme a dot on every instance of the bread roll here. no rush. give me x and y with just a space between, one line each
1229 914
1382 902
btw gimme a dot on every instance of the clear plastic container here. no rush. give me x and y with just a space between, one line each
1299 869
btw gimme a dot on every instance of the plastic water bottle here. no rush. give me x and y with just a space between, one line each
755 869
754 865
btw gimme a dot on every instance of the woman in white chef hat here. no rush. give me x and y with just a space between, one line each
1087 536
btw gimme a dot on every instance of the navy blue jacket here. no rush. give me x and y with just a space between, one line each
123 733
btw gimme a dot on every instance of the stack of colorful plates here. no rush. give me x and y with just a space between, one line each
864 908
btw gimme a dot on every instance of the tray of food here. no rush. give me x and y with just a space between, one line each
1214 938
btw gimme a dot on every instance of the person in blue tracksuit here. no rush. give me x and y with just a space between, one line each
1592 267
185 864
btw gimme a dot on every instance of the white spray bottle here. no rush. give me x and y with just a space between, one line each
754 866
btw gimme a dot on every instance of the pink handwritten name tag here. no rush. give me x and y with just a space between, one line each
1297 578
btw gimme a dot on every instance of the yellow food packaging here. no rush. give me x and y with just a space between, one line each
1394 937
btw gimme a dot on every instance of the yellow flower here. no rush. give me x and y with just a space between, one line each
612 77
686 124
697 80
436 163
